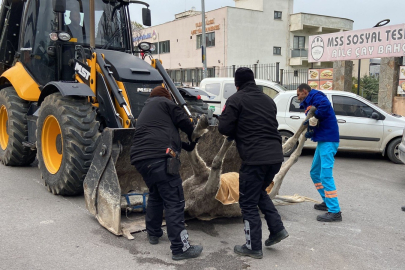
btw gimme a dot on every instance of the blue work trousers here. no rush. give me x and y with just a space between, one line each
322 174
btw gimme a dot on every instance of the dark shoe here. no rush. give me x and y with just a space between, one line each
321 206
191 252
153 240
244 251
403 208
274 239
330 217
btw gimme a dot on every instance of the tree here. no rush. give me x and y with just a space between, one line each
369 86
136 28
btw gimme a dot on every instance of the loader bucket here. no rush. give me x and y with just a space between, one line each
111 175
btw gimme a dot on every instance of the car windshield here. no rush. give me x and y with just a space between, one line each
110 24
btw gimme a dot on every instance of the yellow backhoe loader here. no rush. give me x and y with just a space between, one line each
71 88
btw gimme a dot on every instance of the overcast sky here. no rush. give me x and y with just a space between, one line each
364 13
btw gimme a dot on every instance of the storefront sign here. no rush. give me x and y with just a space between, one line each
321 79
145 36
209 27
387 41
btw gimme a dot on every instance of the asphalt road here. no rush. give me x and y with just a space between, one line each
41 231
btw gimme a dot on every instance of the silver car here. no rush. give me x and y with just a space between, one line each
363 126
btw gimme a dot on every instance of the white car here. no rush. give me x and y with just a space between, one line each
220 89
363 126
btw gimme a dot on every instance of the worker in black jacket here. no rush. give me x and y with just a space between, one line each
249 117
156 131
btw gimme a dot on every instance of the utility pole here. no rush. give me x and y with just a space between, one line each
203 41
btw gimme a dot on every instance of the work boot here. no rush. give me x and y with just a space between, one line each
153 240
244 251
275 238
403 208
321 206
191 252
330 217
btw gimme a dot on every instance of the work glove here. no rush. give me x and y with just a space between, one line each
310 133
313 122
188 146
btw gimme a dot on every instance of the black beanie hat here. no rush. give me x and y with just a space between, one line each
243 75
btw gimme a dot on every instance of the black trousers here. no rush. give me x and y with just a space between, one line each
253 180
165 192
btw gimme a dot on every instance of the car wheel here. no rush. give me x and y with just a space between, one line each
285 135
393 151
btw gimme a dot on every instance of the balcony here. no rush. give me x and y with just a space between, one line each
299 53
298 56
314 24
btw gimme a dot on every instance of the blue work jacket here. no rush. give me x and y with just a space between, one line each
327 129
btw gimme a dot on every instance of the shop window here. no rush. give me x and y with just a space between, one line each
209 39
277 15
277 50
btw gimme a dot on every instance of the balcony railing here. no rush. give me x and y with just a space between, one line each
299 53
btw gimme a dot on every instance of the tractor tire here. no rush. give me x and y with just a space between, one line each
393 152
14 129
285 135
67 136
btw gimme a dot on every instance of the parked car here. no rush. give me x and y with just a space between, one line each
193 97
363 126
220 89
401 148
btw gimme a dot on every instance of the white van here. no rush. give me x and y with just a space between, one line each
220 89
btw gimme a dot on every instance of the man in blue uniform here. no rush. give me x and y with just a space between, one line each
325 131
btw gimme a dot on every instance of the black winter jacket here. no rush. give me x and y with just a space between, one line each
249 116
157 129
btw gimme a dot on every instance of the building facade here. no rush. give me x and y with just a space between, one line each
254 33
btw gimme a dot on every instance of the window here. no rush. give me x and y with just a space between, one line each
164 46
348 106
213 88
295 105
209 39
277 50
229 90
277 15
269 91
299 42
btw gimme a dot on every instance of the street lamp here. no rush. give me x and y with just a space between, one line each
379 24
